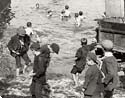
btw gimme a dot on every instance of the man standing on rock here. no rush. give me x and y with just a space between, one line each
39 87
18 46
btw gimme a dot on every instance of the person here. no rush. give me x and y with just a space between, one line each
109 68
76 18
65 14
80 61
49 13
92 85
18 46
80 19
39 87
62 14
32 34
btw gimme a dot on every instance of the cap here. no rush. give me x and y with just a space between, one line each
107 44
80 13
92 56
35 46
21 31
55 47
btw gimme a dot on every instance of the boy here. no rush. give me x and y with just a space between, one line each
39 87
80 19
33 35
109 68
92 84
80 61
18 46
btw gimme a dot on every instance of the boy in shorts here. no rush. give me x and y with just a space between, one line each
80 61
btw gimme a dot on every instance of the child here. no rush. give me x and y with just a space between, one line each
67 12
80 19
62 14
33 35
39 87
76 18
109 68
49 13
92 85
80 61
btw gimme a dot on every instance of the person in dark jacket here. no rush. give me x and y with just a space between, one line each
18 46
109 68
39 87
80 61
92 85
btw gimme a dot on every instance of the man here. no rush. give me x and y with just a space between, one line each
109 68
18 46
39 87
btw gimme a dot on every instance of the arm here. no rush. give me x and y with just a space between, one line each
92 46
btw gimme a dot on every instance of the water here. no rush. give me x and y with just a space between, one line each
64 33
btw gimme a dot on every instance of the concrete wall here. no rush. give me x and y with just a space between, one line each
114 8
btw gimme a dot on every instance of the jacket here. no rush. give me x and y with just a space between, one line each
92 84
110 69
14 44
82 53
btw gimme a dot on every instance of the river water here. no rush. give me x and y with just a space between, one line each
54 30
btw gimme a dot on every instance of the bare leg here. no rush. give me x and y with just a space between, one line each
75 79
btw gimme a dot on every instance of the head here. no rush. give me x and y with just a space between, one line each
83 41
35 47
21 31
63 11
76 15
66 7
107 45
49 11
55 48
29 24
91 59
80 13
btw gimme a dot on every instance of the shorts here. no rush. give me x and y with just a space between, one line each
75 70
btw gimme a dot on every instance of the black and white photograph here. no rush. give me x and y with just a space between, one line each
62 48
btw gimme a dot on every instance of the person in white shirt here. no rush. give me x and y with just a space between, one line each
33 35
80 18
67 12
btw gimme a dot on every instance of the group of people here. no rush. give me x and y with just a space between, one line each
65 15
100 78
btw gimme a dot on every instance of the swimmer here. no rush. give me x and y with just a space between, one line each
80 18
62 14
49 13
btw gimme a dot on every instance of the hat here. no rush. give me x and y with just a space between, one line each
21 31
55 47
92 56
107 44
35 46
